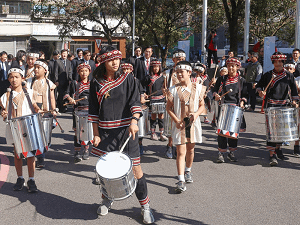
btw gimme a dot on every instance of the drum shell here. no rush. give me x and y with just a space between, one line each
281 124
158 108
28 133
167 125
143 123
47 123
84 128
118 188
230 119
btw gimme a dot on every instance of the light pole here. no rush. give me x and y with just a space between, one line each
204 28
297 31
246 28
133 28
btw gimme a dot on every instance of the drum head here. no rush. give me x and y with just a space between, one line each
113 165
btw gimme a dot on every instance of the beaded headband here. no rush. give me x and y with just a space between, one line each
184 67
16 70
278 57
42 64
126 66
290 65
155 63
115 54
83 65
179 54
35 55
234 61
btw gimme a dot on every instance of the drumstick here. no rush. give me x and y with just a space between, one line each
50 111
153 93
69 103
230 90
216 71
61 130
269 83
125 143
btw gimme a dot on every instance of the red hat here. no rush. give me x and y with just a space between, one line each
126 66
278 57
83 65
155 63
115 54
234 61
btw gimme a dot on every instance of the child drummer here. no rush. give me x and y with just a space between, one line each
237 96
282 89
45 95
21 107
155 82
185 104
82 91
114 109
128 68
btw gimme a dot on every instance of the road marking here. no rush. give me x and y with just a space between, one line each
4 168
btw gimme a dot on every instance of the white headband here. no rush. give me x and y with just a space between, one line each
179 54
290 65
184 67
35 55
223 68
16 70
199 68
42 64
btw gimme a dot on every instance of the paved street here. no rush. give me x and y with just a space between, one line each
246 192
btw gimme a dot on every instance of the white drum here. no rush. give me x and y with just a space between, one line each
84 128
158 108
116 175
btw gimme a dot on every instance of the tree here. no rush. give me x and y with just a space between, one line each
106 17
163 22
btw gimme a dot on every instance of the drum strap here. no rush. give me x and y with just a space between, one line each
49 97
29 100
10 104
240 89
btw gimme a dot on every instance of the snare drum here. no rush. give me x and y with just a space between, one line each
281 124
143 123
115 173
28 135
230 119
167 125
84 128
47 123
158 108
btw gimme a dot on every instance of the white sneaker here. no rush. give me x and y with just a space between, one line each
104 207
147 214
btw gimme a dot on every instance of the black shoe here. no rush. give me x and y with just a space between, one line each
40 163
273 161
86 155
213 124
231 157
19 185
31 187
297 150
77 157
280 154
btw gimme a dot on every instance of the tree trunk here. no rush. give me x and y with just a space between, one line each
164 54
233 31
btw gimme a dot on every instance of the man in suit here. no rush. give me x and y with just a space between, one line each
296 61
142 65
63 73
55 56
76 61
137 54
4 68
87 60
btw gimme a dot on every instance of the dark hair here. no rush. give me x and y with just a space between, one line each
213 31
10 56
70 55
79 50
136 47
43 60
63 50
184 63
250 51
255 54
86 52
178 51
277 53
3 52
20 55
148 47
41 53
151 68
56 52
100 71
200 64
296 49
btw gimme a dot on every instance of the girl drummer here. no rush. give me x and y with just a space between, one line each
21 107
45 95
82 91
185 104
114 109
237 96
282 89
155 82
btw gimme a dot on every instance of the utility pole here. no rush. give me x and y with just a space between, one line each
246 29
204 28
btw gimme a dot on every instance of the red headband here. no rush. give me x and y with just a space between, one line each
115 54
83 65
126 66
278 57
234 61
155 63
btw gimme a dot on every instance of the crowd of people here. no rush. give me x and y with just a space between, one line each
113 95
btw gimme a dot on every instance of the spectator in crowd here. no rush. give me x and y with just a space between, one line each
296 61
4 68
87 60
211 45
97 60
42 55
224 58
142 65
19 62
71 56
55 56
10 58
75 62
261 56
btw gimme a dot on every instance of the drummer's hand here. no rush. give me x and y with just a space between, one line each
4 114
242 105
213 81
72 101
146 96
193 117
164 91
217 97
294 103
97 140
179 125
133 128
254 86
261 94
54 113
